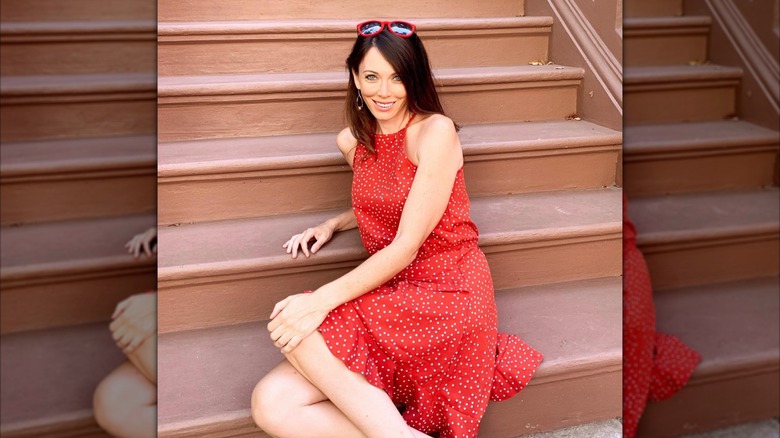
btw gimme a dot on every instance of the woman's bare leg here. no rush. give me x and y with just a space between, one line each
125 403
285 404
366 406
145 358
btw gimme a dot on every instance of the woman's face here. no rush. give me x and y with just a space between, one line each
383 92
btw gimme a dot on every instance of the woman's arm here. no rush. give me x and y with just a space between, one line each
439 156
347 144
321 233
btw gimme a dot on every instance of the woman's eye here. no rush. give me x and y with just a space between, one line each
397 78
370 77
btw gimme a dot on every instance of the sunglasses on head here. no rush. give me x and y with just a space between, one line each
401 28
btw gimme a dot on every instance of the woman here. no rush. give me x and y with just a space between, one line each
413 328
125 401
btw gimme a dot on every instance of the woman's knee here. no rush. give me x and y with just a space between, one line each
270 404
118 397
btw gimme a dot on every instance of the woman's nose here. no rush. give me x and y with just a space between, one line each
384 89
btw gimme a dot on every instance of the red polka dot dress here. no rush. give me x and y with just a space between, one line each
428 337
655 365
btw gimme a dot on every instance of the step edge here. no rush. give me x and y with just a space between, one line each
470 152
329 82
607 366
326 26
635 76
603 231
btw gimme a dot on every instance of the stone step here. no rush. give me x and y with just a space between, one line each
206 180
76 106
207 376
701 156
239 10
655 41
224 106
77 10
654 8
71 272
228 272
73 360
79 178
78 47
679 93
245 47
734 326
704 238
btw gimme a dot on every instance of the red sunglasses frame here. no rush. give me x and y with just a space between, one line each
383 24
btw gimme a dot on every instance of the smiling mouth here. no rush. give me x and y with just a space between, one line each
384 105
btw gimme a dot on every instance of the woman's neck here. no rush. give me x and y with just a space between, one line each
395 124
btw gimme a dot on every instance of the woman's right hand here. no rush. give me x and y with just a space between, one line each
321 233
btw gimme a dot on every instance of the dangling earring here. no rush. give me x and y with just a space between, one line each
359 100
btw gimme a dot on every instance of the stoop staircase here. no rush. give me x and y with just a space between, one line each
250 100
77 181
703 188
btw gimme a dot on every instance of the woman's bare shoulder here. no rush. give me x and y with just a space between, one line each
438 122
346 141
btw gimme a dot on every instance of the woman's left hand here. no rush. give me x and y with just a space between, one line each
294 318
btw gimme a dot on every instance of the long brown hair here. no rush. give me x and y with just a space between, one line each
408 58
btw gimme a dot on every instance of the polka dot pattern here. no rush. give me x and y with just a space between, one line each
655 365
428 337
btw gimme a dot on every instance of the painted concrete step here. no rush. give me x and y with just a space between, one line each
224 106
208 180
679 93
705 238
78 47
77 10
228 272
243 47
79 178
72 272
238 10
734 326
75 106
654 41
207 376
73 360
701 156
655 8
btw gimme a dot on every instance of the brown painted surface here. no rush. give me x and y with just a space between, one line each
559 228
94 195
215 274
469 96
34 362
37 56
728 169
69 273
76 10
659 104
735 328
240 47
585 365
574 42
238 10
655 8
734 43
656 45
685 157
210 196
708 238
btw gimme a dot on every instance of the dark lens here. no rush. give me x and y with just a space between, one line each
401 28
370 28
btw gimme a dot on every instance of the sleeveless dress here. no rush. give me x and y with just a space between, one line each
428 337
